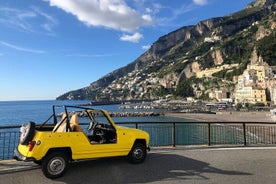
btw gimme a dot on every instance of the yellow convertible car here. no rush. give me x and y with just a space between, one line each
54 145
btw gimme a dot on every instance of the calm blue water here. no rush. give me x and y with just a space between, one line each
20 112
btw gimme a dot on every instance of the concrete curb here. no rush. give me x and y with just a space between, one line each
8 166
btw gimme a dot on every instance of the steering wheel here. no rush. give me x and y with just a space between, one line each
107 128
90 126
93 126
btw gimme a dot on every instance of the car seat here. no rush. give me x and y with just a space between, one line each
74 124
61 126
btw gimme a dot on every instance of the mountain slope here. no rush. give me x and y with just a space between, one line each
192 60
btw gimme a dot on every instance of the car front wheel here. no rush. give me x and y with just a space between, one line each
55 165
137 154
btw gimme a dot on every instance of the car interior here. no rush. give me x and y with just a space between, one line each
99 131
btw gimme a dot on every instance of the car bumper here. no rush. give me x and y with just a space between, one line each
18 156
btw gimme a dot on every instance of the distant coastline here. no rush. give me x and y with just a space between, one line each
234 116
40 110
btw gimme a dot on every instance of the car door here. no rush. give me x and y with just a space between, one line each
106 139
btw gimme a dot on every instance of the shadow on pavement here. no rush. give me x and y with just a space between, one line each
157 167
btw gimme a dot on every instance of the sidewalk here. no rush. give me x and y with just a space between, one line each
9 166
203 165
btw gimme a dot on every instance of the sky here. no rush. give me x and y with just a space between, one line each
50 47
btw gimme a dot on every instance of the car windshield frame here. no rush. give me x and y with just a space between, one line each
82 111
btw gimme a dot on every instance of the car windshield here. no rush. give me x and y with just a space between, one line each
99 116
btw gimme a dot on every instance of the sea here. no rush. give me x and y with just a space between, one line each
20 112
160 128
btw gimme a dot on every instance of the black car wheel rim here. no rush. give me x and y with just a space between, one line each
138 153
56 166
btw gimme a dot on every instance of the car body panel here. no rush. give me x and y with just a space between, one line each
80 145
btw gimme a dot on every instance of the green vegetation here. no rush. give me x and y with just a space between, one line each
162 92
184 89
180 49
204 96
229 74
241 15
266 48
202 49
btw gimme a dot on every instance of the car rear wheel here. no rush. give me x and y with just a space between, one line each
137 154
27 133
55 165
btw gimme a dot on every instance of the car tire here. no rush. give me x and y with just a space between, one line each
38 162
137 154
27 133
55 165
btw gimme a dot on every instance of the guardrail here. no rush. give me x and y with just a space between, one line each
176 134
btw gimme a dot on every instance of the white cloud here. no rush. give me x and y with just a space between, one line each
16 18
145 47
132 38
15 47
148 10
49 23
114 14
27 20
200 2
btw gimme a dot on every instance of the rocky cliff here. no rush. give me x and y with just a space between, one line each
192 60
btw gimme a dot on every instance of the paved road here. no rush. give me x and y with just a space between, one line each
207 165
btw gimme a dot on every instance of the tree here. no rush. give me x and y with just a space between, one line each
239 106
184 89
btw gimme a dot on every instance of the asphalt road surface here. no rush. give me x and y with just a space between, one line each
248 165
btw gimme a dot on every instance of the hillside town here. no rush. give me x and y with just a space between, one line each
257 84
